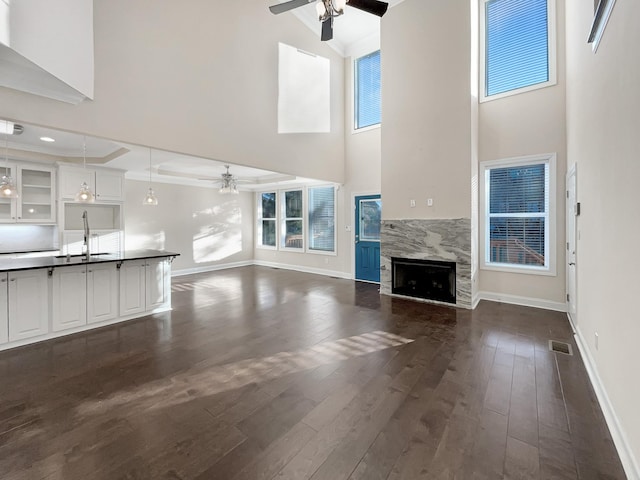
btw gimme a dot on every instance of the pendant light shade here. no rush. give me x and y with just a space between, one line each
151 199
8 188
85 195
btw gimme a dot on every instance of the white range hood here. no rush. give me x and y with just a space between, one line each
46 48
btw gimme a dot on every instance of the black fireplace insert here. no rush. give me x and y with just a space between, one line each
428 279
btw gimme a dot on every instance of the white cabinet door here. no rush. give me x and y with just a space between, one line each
109 185
132 287
37 200
4 309
156 285
28 304
69 297
102 292
72 177
8 206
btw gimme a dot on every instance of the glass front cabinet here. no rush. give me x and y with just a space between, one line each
36 195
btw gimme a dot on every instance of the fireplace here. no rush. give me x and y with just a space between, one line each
427 279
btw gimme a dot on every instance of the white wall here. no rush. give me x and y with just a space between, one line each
426 110
204 227
603 105
527 124
199 78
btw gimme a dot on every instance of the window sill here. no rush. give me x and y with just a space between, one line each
521 269
511 93
355 131
322 252
266 247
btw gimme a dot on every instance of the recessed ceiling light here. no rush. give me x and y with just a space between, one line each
47 139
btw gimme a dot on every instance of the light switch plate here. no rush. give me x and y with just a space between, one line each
429 202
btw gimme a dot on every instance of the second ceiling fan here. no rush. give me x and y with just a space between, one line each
329 9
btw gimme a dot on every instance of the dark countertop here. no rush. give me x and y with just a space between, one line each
31 263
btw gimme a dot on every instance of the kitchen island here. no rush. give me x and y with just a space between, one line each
50 296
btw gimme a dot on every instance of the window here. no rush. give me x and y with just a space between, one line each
367 90
518 46
292 222
267 219
322 231
519 224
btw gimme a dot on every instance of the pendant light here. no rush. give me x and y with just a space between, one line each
8 189
85 195
151 198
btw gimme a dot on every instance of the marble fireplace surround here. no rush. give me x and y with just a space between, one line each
447 240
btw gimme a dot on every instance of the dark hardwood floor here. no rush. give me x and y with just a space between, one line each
270 374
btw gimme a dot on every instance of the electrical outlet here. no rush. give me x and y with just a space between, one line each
412 203
596 340
347 228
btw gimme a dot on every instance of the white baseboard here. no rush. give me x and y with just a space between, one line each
524 301
629 462
299 268
210 268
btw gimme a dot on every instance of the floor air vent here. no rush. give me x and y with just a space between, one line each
560 347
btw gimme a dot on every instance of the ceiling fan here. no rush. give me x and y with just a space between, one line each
329 9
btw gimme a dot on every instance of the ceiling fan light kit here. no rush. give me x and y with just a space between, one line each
229 183
327 10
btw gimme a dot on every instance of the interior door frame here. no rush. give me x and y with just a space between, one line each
573 319
352 237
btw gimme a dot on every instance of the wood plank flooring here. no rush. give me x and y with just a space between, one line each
267 374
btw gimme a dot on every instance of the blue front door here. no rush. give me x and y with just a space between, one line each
368 217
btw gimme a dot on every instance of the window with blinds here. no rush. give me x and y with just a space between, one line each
517 214
367 90
292 236
322 214
267 219
517 48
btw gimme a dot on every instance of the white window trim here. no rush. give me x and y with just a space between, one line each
334 253
551 238
600 22
305 220
354 88
552 35
258 239
282 221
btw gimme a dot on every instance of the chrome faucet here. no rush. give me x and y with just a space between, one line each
85 219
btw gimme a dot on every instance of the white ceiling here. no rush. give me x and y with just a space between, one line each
167 167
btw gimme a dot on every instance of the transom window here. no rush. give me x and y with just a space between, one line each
518 46
367 106
518 226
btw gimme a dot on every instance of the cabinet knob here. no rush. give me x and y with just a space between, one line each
13 279
90 271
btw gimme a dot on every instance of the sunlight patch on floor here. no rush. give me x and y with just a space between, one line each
200 382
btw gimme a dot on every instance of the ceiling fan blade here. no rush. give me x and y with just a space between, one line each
286 6
327 30
374 7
